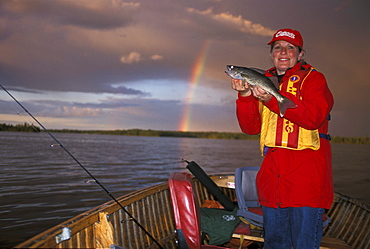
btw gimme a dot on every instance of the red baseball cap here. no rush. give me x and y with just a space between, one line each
289 35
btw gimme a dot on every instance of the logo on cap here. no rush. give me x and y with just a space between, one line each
285 33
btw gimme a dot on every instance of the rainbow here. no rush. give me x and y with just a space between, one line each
196 74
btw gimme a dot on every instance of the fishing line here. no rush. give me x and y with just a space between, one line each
92 176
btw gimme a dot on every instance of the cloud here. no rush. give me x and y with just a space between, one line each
156 57
234 22
133 57
21 89
91 14
124 90
74 111
59 109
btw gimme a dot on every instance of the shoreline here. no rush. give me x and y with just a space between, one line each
159 133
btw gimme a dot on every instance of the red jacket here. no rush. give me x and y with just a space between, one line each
294 178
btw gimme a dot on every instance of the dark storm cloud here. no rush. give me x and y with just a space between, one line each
86 14
45 45
101 89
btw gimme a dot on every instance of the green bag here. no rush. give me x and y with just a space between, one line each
219 224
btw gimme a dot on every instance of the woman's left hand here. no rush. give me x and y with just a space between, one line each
261 94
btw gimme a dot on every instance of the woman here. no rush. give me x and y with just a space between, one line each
294 182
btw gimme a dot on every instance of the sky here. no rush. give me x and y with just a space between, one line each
112 64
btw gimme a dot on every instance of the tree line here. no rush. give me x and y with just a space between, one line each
156 133
25 127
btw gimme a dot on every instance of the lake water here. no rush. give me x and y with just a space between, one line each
42 186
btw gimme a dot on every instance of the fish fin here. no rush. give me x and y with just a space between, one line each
258 70
275 81
285 104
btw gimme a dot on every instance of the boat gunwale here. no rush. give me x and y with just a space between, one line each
352 200
91 216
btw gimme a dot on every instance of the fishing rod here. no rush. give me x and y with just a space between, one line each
78 162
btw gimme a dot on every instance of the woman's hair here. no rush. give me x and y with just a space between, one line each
299 48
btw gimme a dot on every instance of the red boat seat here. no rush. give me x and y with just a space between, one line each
186 211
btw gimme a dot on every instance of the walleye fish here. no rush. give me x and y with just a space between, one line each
256 77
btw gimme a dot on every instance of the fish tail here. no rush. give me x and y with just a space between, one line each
285 104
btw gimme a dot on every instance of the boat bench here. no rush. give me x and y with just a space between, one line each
256 235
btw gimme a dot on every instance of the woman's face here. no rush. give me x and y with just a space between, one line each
285 55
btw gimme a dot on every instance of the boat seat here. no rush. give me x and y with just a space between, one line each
186 212
246 194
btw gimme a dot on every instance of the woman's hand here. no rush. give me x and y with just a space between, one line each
261 94
245 90
241 86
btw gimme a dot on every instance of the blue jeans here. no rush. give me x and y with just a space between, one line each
292 227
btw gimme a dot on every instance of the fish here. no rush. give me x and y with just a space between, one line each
256 77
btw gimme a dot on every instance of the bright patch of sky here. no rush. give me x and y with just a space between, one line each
177 90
